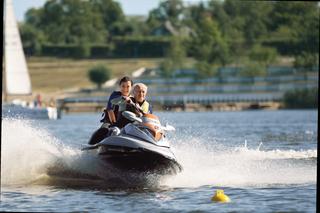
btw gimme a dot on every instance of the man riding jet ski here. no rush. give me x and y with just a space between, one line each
140 146
122 103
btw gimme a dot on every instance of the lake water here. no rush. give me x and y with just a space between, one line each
265 161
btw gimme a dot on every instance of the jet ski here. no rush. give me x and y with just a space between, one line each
139 147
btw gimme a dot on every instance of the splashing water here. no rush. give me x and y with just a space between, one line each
35 157
241 166
30 153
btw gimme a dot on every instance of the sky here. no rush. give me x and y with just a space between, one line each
129 7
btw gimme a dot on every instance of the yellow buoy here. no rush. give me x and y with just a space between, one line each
220 197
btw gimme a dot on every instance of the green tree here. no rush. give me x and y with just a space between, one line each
110 11
83 50
99 74
306 33
253 69
306 61
177 52
168 10
230 23
34 16
263 55
175 57
288 13
301 98
31 38
193 15
251 18
205 70
68 22
166 68
208 43
298 23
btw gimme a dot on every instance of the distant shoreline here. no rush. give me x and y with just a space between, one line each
221 107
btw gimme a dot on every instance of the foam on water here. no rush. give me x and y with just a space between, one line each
29 153
241 166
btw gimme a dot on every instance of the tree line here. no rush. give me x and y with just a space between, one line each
214 33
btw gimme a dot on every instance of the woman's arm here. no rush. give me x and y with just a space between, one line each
110 107
112 117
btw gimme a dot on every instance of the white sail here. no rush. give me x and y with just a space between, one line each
16 70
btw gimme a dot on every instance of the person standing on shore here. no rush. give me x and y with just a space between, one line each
38 101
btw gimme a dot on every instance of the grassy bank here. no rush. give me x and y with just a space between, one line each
56 75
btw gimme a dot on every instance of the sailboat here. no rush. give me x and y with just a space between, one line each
16 79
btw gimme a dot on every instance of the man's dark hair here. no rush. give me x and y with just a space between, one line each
125 79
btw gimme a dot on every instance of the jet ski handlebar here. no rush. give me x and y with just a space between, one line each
133 117
135 105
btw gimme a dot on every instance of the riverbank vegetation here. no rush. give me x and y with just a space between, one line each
215 33
301 98
218 41
99 74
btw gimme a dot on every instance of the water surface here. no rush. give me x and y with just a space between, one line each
265 161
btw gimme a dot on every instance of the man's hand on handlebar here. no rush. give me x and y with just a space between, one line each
127 99
135 105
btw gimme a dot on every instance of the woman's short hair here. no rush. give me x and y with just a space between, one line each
125 79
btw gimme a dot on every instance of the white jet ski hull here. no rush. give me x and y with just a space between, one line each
129 153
